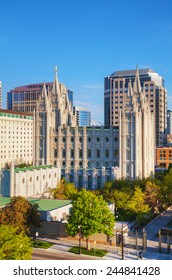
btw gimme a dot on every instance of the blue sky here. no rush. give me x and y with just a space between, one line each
87 40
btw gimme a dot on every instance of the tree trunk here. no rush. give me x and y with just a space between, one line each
88 244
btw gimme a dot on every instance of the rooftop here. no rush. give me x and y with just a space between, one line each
44 204
14 112
4 201
145 71
32 168
50 204
33 87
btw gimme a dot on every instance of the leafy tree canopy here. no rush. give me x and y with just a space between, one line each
91 214
137 203
20 213
14 246
64 190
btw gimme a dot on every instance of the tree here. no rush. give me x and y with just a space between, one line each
121 199
138 206
153 196
14 246
21 214
64 190
91 214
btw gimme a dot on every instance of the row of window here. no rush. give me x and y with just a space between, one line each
89 181
89 153
98 139
90 164
37 178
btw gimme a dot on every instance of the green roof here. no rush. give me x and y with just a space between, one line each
32 168
4 201
50 204
44 204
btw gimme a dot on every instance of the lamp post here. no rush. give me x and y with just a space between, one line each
122 237
79 228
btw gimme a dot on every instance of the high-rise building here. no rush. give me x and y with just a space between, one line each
24 98
16 135
0 94
83 116
169 121
115 91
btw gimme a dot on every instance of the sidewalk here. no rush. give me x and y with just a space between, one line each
113 253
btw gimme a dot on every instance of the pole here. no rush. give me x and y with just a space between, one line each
122 236
79 239
122 240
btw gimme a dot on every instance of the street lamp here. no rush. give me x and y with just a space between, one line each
122 236
79 228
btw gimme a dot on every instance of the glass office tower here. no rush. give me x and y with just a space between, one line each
83 116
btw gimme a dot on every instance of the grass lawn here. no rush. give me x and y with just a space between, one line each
42 244
92 252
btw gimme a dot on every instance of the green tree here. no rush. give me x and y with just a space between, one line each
107 192
138 206
21 214
121 199
14 246
64 190
91 214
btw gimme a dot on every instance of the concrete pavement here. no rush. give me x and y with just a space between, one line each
113 253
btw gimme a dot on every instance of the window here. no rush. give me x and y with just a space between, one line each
55 153
98 153
72 153
89 153
89 182
80 181
63 153
98 182
107 153
80 153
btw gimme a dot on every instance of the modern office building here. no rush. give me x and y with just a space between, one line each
115 91
83 116
24 98
0 94
90 156
16 138
169 121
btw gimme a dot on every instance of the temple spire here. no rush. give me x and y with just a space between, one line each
56 82
137 86
44 91
130 89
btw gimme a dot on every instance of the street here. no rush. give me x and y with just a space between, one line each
43 254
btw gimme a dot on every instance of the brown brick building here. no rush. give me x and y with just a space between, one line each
163 156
